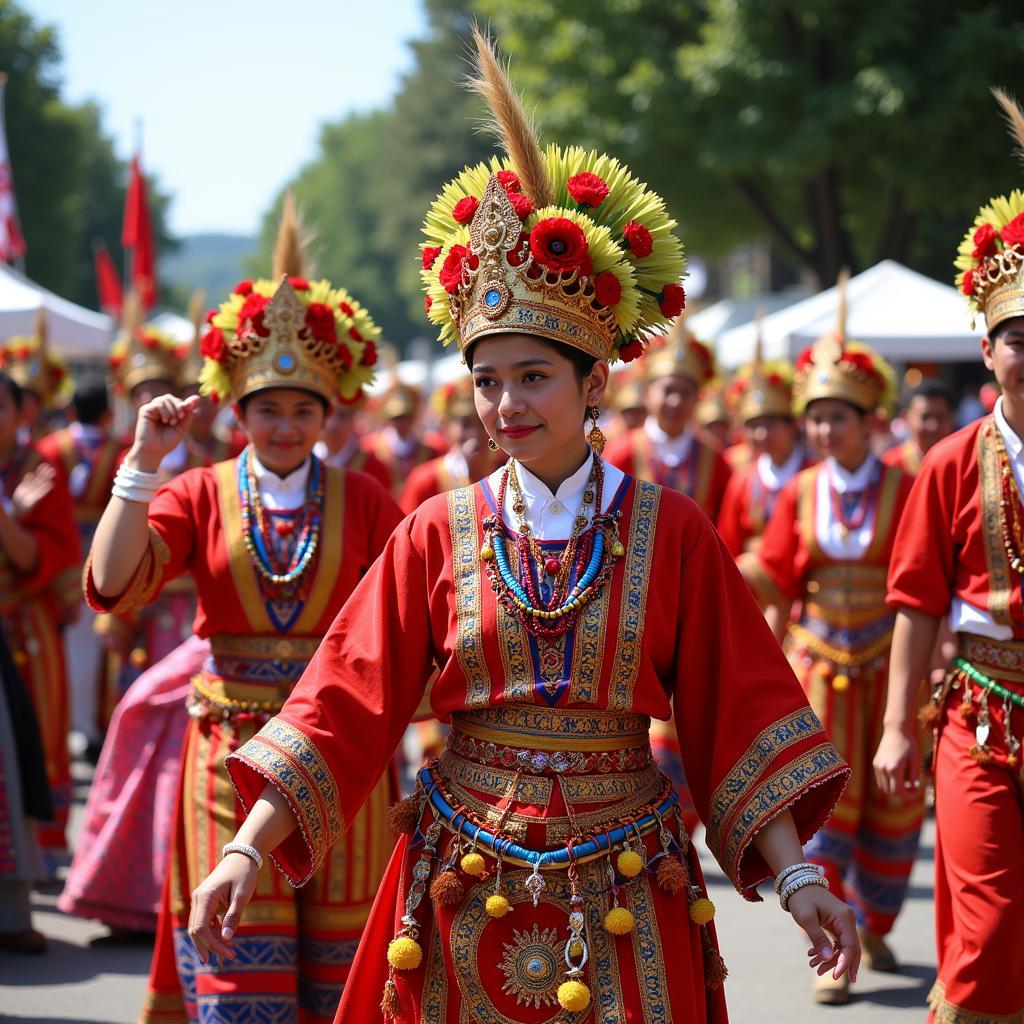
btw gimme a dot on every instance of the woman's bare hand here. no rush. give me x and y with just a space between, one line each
227 890
832 928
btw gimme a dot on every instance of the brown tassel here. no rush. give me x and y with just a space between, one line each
389 1003
968 712
404 816
930 715
446 890
715 971
672 876
981 754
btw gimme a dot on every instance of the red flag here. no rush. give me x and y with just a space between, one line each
108 283
12 242
137 236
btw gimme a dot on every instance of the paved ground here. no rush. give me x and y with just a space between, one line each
85 980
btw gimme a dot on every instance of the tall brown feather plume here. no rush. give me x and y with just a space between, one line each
289 249
195 313
841 313
131 313
42 332
510 123
1014 118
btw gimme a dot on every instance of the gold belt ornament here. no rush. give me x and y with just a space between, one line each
548 729
1001 658
240 645
847 594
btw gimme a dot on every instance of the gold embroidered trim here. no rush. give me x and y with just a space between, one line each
540 728
495 781
1002 658
469 644
146 582
803 637
990 479
945 1012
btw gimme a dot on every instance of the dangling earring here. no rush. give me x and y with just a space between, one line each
492 445
595 438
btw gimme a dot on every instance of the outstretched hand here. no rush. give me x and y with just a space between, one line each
832 929
897 763
229 887
34 486
161 426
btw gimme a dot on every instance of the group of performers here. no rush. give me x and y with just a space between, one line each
281 576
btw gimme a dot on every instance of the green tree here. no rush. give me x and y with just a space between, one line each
69 183
849 132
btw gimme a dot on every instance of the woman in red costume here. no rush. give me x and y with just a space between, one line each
276 542
542 872
959 554
828 545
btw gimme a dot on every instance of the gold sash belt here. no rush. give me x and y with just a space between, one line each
1003 659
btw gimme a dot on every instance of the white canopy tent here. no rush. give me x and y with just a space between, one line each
75 333
903 315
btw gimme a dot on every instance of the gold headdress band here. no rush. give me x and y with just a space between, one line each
765 389
682 355
142 352
31 364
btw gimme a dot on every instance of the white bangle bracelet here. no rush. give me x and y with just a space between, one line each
785 873
801 883
246 850
139 494
131 475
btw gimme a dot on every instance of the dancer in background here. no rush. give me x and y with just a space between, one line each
340 445
398 443
928 414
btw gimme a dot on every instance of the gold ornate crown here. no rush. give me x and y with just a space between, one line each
628 392
454 400
762 388
991 256
143 352
562 244
681 355
836 368
32 366
288 333
399 400
713 406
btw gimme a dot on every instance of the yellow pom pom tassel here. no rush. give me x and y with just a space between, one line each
702 911
487 552
618 921
841 683
404 954
617 549
629 863
497 905
573 996
473 864
139 658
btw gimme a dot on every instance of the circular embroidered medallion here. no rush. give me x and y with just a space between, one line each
530 966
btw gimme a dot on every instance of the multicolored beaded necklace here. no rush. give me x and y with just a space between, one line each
1010 513
859 503
281 562
588 557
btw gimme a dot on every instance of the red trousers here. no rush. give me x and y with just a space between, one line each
979 872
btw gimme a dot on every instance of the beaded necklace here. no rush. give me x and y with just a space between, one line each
270 565
861 507
589 557
1010 513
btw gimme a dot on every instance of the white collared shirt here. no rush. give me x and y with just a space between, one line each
773 477
551 516
401 447
277 493
342 457
456 465
827 528
670 451
963 616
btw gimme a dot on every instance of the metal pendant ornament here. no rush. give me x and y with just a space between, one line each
595 437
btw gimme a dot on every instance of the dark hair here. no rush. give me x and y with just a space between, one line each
12 387
856 408
244 401
582 363
91 401
932 387
1004 326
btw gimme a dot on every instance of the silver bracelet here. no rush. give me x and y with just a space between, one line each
800 883
785 873
246 850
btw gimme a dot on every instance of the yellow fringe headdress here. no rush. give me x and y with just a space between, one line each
34 367
562 243
288 332
834 367
991 256
762 388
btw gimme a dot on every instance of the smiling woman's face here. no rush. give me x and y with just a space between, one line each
529 397
283 424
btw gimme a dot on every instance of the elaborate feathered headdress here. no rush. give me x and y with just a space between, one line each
288 332
564 244
681 354
143 351
991 256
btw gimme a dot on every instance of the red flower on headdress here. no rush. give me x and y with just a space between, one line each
430 254
607 288
672 300
805 358
451 271
558 244
346 309
354 334
427 302
517 255
863 362
703 352
634 350
243 288
210 316
522 204
587 189
116 362
251 314
1013 233
638 238
212 345
370 353
346 356
320 321
967 285
984 241
774 380
509 181
299 284
150 341
465 208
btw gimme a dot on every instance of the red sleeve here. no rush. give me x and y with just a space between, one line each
52 525
924 553
384 515
731 517
337 732
422 484
751 746
620 453
775 573
720 476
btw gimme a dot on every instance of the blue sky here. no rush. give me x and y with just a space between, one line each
230 93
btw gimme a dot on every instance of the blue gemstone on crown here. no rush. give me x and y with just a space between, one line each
492 297
286 362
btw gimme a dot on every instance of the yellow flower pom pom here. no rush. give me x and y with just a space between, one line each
497 905
841 683
487 552
573 996
629 863
404 954
618 921
702 911
473 864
